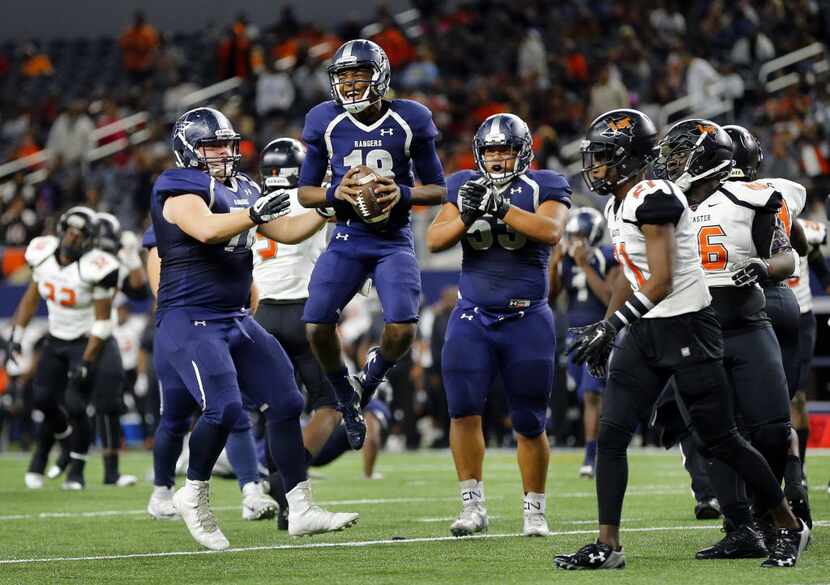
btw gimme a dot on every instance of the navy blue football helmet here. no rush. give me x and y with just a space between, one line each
587 223
85 221
108 237
504 130
280 162
693 150
746 152
359 54
206 127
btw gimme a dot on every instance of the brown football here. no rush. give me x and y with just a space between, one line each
367 202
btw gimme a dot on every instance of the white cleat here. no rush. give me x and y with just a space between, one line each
126 481
70 485
586 471
535 525
306 518
472 519
161 505
192 502
34 481
55 472
256 504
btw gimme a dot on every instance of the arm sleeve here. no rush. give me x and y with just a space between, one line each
764 228
428 166
659 208
105 288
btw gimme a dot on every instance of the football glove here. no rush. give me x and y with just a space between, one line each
10 348
270 206
592 344
472 198
598 364
754 270
327 212
498 205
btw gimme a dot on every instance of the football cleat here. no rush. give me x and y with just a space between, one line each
788 547
586 471
366 395
596 555
306 518
34 481
745 542
192 502
799 501
256 504
72 485
353 417
535 525
123 480
161 505
472 519
707 509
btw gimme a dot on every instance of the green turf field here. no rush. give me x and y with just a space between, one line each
102 535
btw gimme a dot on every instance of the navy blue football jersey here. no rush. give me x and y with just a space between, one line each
401 145
210 280
584 307
502 269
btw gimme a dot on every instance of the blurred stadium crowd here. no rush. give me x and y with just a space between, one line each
555 64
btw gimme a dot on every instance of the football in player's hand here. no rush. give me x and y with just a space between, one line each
366 203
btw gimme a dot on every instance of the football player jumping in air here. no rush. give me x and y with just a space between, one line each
205 218
396 138
672 331
585 270
506 217
80 359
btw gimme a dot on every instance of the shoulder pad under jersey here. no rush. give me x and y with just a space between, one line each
39 249
97 267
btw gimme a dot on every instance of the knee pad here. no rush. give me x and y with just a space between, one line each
529 415
287 404
243 423
771 437
231 413
176 427
613 438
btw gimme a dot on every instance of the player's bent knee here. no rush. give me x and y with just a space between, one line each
400 334
726 448
286 406
771 436
177 427
528 423
613 438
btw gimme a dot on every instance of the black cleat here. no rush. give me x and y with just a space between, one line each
790 544
745 542
353 418
708 509
592 556
366 395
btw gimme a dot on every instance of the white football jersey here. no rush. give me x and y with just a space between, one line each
795 198
128 337
642 205
816 234
70 291
723 228
282 271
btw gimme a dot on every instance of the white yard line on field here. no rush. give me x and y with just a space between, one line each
350 544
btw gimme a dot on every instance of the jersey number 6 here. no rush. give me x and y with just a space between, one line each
713 256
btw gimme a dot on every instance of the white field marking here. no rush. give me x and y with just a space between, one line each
497 517
352 544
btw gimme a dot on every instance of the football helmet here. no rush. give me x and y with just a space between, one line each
504 130
693 150
746 152
359 54
587 223
280 162
623 141
202 127
84 220
108 237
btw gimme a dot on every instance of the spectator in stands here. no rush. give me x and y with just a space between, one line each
71 136
533 60
26 146
392 40
18 223
234 51
607 93
701 80
138 48
422 74
36 63
275 93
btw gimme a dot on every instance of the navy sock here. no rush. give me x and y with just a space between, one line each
375 371
342 387
206 443
590 453
337 444
285 441
166 450
242 455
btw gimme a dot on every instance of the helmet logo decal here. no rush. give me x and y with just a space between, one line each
617 127
705 129
495 134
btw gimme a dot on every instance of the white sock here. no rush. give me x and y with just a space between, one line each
534 503
472 492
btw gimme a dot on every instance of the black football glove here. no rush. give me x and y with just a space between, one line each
270 206
754 270
472 198
592 344
598 363
498 205
10 348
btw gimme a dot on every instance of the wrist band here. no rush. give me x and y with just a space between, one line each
634 308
